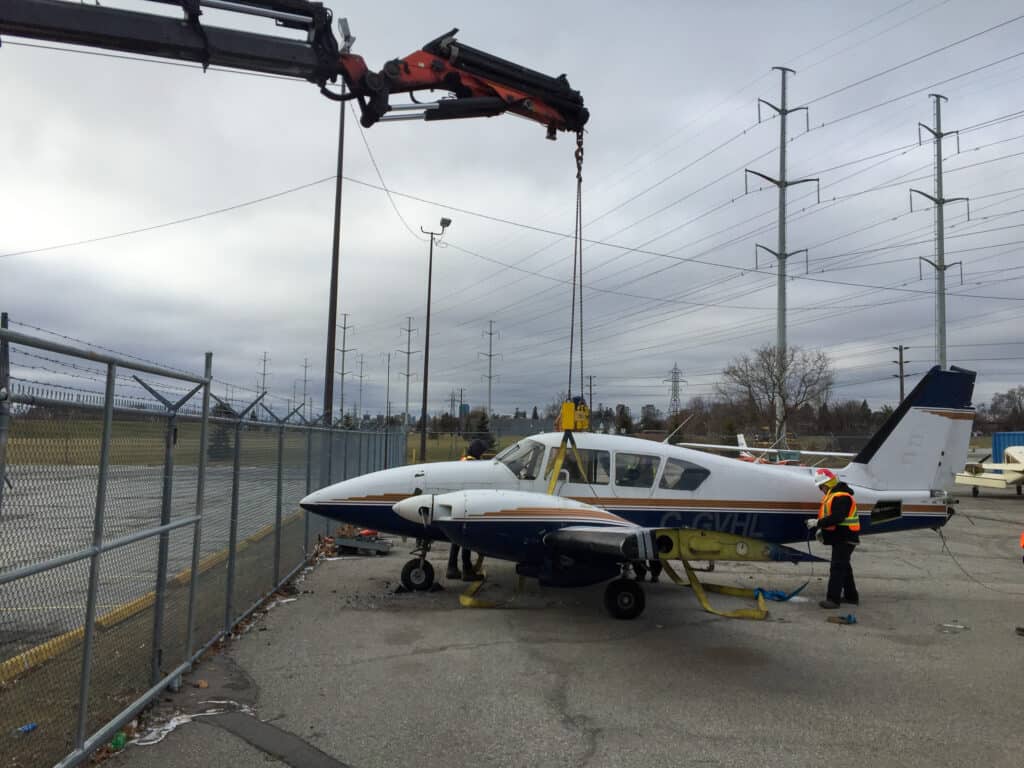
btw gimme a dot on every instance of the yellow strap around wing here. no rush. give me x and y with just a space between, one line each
756 614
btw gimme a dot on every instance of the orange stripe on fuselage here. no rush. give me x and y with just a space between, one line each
955 415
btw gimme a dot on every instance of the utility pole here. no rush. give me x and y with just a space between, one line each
675 379
387 396
408 330
901 362
781 254
359 407
590 391
939 265
490 355
332 310
341 384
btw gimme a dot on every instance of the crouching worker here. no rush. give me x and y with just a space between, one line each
839 527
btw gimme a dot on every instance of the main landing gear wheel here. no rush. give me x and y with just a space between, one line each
418 575
624 599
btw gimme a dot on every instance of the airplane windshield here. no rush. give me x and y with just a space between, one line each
523 459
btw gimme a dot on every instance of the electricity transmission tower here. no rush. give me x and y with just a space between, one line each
675 379
939 265
408 330
781 254
490 354
343 349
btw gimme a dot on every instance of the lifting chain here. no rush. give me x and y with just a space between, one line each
577 266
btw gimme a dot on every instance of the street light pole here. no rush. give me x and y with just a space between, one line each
445 223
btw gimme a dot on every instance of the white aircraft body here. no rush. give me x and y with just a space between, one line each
900 479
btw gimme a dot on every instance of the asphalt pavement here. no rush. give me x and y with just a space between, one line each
352 674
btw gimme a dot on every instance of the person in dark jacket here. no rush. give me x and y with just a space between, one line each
837 526
473 453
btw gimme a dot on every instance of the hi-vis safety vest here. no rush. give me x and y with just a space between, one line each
467 457
852 521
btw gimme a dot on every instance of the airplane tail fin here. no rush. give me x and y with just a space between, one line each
924 442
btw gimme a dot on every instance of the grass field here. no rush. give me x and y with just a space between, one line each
448 447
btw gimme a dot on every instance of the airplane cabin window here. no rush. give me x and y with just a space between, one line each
523 459
635 470
682 475
595 468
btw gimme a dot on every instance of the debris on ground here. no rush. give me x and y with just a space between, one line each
847 619
201 684
952 627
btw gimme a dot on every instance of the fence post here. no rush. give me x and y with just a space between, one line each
197 534
5 406
170 438
236 469
94 563
277 504
309 490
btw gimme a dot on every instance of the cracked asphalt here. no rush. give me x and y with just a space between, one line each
364 677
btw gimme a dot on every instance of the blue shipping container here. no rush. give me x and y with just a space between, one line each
1003 440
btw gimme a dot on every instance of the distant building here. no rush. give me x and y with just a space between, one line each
463 410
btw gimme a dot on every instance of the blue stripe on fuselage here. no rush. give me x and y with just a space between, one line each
777 527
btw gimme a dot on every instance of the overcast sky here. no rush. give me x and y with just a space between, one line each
93 146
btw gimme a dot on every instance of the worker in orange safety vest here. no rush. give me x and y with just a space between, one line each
837 526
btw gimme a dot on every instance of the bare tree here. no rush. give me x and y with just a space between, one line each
759 380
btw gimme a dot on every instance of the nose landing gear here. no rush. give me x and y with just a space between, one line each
418 573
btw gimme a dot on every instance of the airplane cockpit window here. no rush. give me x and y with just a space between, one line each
682 475
595 469
523 459
635 470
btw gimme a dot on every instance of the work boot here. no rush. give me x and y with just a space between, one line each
470 575
453 574
828 604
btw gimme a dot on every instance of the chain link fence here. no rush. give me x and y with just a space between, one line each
136 529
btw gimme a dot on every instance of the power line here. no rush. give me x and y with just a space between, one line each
914 60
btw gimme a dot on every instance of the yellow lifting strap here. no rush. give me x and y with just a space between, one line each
755 614
469 599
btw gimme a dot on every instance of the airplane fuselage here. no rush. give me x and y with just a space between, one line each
649 484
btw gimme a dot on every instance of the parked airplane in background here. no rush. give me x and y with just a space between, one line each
1008 472
779 457
900 479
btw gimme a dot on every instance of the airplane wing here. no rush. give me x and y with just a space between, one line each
631 544
742 448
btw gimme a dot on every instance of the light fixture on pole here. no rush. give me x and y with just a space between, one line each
445 223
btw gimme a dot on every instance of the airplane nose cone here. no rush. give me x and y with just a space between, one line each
415 509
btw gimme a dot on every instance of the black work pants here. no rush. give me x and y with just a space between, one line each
841 587
453 558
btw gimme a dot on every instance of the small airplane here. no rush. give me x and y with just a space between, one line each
1010 471
901 479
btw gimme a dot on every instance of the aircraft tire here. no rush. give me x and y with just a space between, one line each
624 599
416 577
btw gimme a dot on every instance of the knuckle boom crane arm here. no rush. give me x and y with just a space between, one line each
481 85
